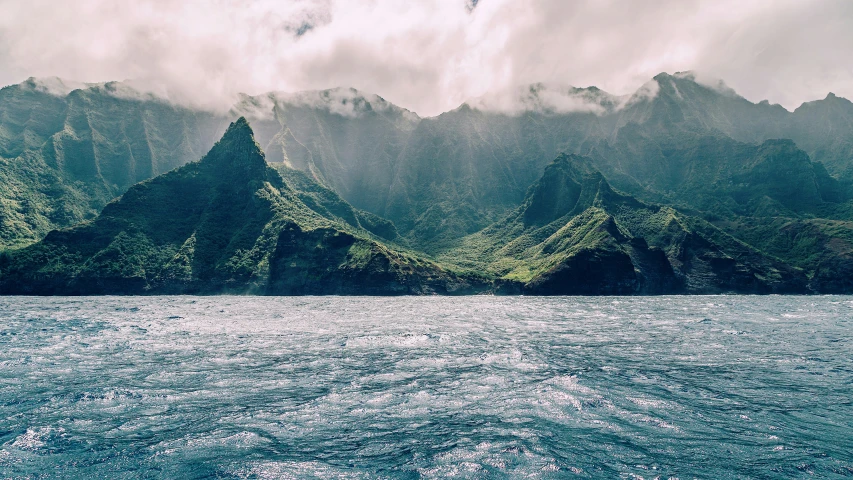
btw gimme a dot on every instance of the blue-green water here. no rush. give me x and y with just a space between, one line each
474 387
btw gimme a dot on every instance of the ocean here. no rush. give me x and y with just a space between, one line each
426 387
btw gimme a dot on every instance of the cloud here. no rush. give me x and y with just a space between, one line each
431 55
647 91
547 99
54 85
346 102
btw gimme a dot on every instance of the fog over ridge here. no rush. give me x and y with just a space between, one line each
430 56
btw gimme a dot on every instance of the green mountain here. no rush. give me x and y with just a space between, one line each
821 128
574 234
748 175
824 128
63 156
679 150
227 223
718 175
465 169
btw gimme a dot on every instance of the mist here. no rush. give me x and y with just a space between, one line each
429 56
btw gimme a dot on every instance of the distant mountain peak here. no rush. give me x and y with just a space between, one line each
239 129
578 163
678 81
831 101
342 101
831 97
56 86
345 101
662 76
546 98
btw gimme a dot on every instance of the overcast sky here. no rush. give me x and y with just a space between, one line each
430 55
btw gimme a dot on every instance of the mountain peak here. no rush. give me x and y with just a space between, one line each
545 98
568 185
693 83
237 150
241 125
55 86
239 132
661 76
835 99
685 76
341 101
574 161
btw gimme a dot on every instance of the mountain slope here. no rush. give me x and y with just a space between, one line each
465 169
824 128
345 139
574 235
227 223
821 128
63 156
718 175
65 152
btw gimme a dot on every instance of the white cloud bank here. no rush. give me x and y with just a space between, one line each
429 55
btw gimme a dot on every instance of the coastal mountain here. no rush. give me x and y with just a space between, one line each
467 168
65 153
227 223
746 174
824 128
574 234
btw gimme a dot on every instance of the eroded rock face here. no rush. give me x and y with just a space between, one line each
834 276
589 272
64 156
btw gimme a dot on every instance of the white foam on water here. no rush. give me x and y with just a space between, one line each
356 387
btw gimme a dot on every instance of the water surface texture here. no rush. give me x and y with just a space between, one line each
473 387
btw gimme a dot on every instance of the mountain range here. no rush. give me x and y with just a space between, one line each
681 187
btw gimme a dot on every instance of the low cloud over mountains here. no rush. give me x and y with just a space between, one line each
429 56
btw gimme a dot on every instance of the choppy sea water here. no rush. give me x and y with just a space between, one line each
472 387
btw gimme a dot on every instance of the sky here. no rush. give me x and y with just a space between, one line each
429 55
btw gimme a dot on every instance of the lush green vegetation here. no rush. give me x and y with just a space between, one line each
656 249
62 158
720 194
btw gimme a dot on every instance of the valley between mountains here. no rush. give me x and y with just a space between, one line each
680 188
